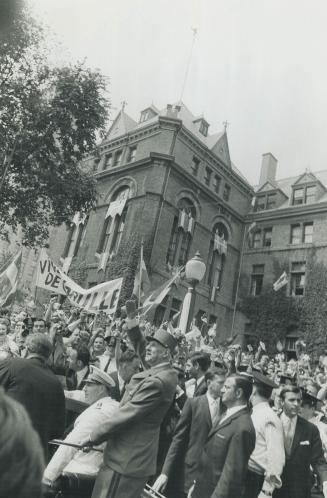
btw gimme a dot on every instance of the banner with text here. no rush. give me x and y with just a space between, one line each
101 297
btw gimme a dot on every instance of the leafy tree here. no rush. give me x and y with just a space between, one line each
50 118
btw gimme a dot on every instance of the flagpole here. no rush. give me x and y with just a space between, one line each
140 276
238 281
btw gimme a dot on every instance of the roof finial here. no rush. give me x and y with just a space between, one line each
226 124
123 105
188 63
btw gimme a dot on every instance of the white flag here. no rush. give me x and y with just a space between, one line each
281 282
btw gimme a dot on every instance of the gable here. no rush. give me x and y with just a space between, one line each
306 178
121 125
266 187
221 149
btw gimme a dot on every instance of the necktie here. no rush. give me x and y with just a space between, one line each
288 435
215 412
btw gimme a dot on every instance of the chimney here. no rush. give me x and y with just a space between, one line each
169 110
268 169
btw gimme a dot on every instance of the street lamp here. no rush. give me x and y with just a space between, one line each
195 270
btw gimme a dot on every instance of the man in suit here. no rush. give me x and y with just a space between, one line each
133 434
303 449
78 367
198 417
31 382
129 364
225 457
196 367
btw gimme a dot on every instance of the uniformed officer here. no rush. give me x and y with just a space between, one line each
69 460
268 458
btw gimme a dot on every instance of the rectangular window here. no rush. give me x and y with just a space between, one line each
257 239
296 234
195 166
108 161
176 305
297 279
267 235
271 201
298 196
261 202
131 154
216 183
207 176
226 193
144 116
310 194
118 157
308 233
257 279
204 128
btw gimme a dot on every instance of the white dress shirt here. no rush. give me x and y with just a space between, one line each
231 411
214 405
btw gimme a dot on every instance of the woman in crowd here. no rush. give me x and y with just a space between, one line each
8 347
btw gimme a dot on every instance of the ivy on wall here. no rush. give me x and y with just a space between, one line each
272 315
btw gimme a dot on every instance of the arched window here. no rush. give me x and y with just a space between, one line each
181 234
216 258
113 227
76 234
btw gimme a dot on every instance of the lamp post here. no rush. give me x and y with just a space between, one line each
195 270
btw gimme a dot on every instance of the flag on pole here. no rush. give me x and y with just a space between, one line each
9 278
281 282
159 294
142 282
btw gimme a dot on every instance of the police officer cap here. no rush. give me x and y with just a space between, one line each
259 378
97 376
308 398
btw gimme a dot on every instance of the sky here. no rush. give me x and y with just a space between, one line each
259 64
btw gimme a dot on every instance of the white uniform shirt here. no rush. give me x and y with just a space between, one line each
72 460
268 457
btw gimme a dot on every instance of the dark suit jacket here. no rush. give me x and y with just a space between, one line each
225 458
189 438
35 386
306 450
71 380
200 389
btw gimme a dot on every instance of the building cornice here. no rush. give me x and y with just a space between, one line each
290 211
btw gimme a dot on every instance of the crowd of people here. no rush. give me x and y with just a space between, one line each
127 409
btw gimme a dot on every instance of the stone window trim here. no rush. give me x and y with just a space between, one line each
304 194
301 233
257 277
195 166
297 281
226 192
265 201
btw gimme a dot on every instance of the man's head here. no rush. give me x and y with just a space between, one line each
291 399
156 353
215 378
38 345
197 365
236 390
39 326
129 364
75 338
160 348
78 358
98 385
262 388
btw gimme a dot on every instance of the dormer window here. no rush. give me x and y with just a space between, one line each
304 195
144 116
204 128
266 201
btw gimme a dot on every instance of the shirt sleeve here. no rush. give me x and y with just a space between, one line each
275 455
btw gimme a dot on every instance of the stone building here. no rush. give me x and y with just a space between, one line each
166 179
287 222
